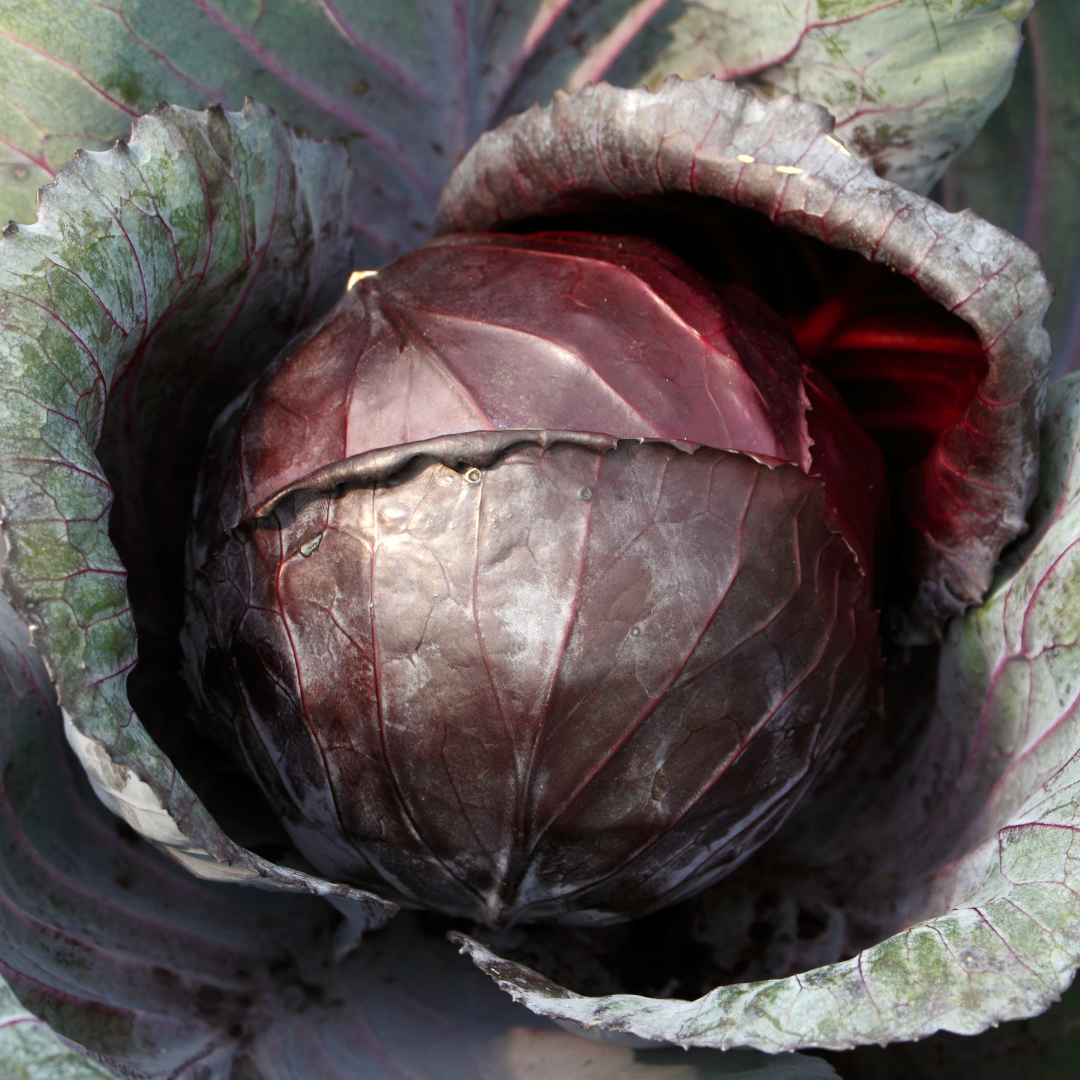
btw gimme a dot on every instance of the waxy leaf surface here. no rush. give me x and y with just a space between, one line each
571 683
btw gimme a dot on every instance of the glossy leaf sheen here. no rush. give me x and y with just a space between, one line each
570 331
561 331
81 92
591 650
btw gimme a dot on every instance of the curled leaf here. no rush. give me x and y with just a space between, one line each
967 498
145 259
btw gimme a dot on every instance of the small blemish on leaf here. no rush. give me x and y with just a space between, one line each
309 547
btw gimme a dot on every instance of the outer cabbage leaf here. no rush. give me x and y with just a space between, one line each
995 833
410 85
1044 1048
909 83
204 227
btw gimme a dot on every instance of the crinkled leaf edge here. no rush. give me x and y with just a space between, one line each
125 240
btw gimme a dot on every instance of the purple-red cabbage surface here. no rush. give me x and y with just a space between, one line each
570 679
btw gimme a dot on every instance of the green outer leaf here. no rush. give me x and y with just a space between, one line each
29 1050
199 207
1008 943
914 104
410 84
910 82
1045 1048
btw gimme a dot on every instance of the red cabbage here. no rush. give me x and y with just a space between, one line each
536 581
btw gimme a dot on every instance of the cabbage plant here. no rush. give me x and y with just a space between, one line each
915 876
